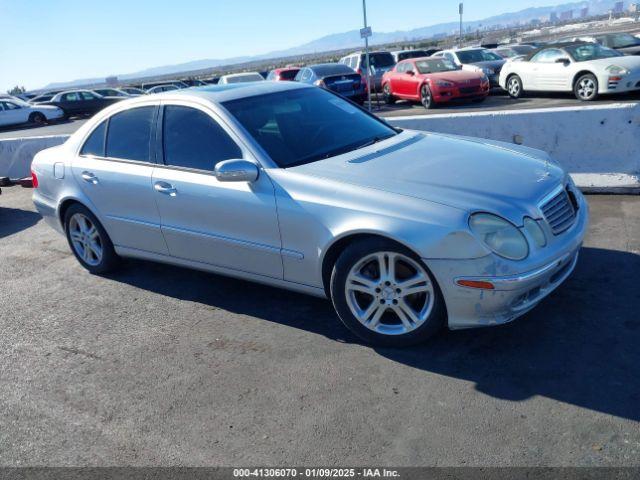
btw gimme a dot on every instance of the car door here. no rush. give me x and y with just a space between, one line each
92 103
71 103
14 114
114 168
233 225
549 74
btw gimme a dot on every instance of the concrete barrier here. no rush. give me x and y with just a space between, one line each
16 154
598 144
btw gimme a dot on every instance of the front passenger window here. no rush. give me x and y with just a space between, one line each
192 139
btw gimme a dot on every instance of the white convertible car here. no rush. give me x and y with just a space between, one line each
587 69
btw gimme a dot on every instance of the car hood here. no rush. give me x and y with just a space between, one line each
489 64
455 75
632 50
461 172
627 61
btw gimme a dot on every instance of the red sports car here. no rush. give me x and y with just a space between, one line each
285 74
432 81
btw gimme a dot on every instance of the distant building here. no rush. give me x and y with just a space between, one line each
584 12
634 8
534 22
566 15
111 81
618 7
553 18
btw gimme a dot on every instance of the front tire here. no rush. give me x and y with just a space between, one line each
385 294
586 88
89 241
389 99
37 118
514 86
426 98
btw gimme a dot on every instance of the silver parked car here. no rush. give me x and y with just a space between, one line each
293 186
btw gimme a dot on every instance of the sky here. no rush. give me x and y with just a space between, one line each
42 41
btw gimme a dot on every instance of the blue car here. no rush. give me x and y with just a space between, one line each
336 77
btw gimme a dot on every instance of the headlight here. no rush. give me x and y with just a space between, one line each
535 232
616 70
444 83
499 236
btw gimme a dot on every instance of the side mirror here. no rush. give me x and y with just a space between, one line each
565 61
236 171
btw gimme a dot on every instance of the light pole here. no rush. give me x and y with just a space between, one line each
460 9
365 33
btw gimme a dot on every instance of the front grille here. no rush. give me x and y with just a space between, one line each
468 89
559 212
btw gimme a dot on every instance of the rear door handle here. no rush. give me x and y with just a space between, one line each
89 177
166 188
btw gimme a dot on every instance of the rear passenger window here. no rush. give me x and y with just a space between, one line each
129 135
95 143
192 139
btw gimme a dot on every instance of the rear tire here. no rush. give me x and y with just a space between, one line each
89 241
586 88
385 294
514 86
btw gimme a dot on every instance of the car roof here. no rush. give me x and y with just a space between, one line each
561 45
242 74
233 91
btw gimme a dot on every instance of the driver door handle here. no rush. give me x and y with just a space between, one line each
89 177
166 188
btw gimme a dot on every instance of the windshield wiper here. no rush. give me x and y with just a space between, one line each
375 139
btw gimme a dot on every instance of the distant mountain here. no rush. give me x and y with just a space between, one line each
351 39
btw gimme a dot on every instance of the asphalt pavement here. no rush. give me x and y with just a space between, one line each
158 365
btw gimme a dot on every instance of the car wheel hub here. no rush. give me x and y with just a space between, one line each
85 239
389 293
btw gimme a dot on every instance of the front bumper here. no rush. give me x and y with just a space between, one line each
516 290
619 84
447 94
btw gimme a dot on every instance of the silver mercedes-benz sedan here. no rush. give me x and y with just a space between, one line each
296 187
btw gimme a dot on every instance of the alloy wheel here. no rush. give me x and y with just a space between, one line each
586 88
85 239
389 293
514 87
425 96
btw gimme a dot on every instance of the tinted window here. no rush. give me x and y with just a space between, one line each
590 51
192 139
473 56
304 125
331 69
71 97
129 134
95 143
88 95
379 60
288 74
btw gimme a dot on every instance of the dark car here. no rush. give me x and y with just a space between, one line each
81 102
511 51
336 77
476 58
622 42
400 55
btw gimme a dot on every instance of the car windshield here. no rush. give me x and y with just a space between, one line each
622 40
331 69
249 77
475 56
590 51
435 65
288 74
305 125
